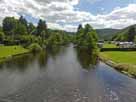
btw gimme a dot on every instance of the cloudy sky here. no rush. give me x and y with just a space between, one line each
68 14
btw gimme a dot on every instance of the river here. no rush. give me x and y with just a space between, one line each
63 75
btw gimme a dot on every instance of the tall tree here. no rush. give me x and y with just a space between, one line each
79 28
42 27
9 25
87 29
23 21
87 37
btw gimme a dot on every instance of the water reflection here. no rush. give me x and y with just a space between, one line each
56 51
42 59
21 63
56 75
86 57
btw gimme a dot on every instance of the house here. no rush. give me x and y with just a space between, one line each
100 44
126 45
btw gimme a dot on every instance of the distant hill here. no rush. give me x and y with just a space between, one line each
122 35
105 34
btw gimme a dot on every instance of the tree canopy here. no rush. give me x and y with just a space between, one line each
20 31
86 36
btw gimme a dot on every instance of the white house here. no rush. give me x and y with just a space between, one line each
126 45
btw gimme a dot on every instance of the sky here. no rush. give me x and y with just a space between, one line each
68 14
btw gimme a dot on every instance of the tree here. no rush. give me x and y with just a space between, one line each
9 25
30 28
87 29
87 37
20 29
79 28
55 39
131 34
23 21
42 27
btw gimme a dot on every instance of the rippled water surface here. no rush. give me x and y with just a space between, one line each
63 75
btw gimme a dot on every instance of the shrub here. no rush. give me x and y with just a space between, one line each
35 47
2 36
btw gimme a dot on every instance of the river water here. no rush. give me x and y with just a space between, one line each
63 75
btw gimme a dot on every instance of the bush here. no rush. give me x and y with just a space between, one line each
2 36
35 47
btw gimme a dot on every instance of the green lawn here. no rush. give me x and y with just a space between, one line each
106 45
127 57
7 51
125 61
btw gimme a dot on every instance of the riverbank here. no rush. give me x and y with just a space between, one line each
125 62
7 52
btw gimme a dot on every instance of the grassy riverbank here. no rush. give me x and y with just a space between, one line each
124 61
9 51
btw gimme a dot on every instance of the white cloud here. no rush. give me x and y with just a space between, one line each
61 14
67 27
119 17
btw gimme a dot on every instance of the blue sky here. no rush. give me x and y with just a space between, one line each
68 14
102 6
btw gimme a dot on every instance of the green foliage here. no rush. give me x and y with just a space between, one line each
26 40
12 26
126 34
86 57
9 40
79 28
31 28
131 34
35 47
106 34
23 21
20 29
9 24
58 37
2 36
87 29
55 39
42 29
86 37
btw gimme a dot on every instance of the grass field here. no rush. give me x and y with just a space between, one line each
127 57
125 61
7 51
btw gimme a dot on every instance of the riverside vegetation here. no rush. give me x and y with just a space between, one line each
29 38
18 36
123 61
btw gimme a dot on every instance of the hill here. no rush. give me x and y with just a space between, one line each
106 34
124 34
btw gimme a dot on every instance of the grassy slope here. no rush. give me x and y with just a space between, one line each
122 34
6 51
106 33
